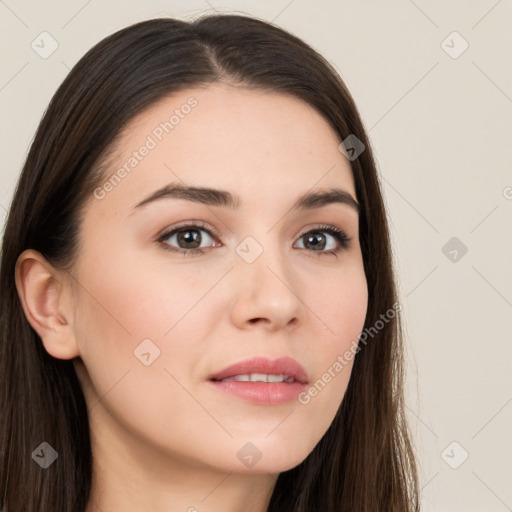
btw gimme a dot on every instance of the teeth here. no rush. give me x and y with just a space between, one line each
275 378
259 377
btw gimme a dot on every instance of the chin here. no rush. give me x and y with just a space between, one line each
275 460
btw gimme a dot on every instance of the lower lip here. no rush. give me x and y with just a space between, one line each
263 393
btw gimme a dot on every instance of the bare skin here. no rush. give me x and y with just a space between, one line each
164 438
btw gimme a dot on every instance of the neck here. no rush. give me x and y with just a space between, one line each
131 475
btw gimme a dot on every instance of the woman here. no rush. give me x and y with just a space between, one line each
195 256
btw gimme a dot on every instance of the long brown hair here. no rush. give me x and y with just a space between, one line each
365 461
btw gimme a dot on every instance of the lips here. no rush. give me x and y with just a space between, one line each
282 366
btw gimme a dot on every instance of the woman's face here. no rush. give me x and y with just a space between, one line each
154 320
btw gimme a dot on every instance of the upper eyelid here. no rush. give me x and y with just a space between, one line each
213 233
190 224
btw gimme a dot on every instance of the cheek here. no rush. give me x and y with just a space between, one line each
341 304
129 299
120 321
135 313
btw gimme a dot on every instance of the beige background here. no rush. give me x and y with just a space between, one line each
441 128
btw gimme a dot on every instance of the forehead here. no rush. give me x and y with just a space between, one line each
227 137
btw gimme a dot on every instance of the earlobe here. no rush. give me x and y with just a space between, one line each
43 293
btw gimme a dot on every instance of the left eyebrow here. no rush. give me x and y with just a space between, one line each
223 198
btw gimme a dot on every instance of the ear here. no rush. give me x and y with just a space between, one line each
45 297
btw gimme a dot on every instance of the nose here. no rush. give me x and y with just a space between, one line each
266 293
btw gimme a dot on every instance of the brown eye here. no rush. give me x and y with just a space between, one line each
187 239
316 240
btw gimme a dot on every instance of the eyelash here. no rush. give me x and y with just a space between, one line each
340 236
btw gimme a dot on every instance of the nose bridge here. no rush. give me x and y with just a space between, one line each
261 252
266 286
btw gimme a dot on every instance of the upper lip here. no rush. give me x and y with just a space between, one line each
283 365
